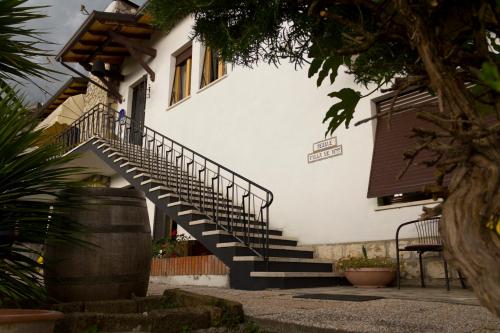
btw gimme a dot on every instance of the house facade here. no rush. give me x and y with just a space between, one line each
266 123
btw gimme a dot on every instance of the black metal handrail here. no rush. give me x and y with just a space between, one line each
223 195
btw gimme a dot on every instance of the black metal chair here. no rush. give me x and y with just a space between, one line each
428 240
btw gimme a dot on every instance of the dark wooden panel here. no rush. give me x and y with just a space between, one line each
392 139
197 265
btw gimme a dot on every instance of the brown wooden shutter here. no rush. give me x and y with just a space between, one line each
391 141
207 59
183 56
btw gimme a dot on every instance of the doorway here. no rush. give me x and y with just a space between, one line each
138 111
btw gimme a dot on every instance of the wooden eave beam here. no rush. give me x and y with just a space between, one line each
137 25
110 90
102 53
144 36
123 40
97 43
135 51
111 74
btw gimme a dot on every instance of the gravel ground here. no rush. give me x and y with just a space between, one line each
404 311
241 329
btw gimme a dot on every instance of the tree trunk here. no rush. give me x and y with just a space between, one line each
474 191
469 245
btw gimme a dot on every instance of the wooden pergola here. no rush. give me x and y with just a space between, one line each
74 86
110 38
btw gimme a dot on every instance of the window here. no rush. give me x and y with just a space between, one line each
393 137
213 67
181 87
403 197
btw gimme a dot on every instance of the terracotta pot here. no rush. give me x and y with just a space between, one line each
28 321
370 277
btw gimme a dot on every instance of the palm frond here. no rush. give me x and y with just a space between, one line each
21 45
36 195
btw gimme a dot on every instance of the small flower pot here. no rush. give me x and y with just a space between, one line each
370 277
28 321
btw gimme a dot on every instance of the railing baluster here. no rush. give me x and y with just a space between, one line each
188 178
230 206
178 170
249 210
202 196
218 191
244 204
213 200
266 254
167 170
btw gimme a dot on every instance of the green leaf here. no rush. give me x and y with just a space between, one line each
323 73
342 111
330 64
490 76
335 68
315 66
336 63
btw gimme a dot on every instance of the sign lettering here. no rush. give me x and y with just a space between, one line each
322 154
324 144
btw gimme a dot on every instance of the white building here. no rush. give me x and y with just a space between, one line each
264 123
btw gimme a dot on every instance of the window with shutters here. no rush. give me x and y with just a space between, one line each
393 138
213 67
181 86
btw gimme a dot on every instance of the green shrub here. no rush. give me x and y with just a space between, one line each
364 262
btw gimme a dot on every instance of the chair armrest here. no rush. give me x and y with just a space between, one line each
400 227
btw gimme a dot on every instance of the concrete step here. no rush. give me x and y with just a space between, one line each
200 213
241 234
295 274
222 236
208 225
221 206
282 259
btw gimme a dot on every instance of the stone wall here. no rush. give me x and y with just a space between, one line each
433 264
95 95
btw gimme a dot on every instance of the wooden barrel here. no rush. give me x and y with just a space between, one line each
118 265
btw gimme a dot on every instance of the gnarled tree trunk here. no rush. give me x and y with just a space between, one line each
474 191
469 245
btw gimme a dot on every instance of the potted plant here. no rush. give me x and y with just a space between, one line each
28 321
173 247
368 272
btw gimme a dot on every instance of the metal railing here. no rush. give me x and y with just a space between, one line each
228 199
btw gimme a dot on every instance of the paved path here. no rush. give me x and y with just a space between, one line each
407 310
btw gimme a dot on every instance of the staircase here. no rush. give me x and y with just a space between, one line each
226 212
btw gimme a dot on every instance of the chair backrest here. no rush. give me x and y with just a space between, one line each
428 232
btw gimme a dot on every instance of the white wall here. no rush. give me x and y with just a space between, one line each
262 123
217 281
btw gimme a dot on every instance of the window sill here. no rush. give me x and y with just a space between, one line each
178 103
408 204
212 83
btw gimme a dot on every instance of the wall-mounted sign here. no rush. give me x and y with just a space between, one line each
324 149
328 143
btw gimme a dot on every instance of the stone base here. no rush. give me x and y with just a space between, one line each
175 311
220 281
432 262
